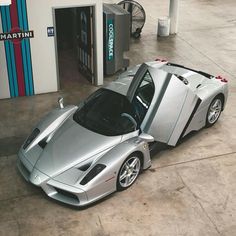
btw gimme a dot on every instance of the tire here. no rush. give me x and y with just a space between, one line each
214 111
129 172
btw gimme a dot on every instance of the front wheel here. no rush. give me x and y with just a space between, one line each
214 111
129 172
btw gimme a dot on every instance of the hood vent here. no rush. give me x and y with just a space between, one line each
85 166
33 135
43 143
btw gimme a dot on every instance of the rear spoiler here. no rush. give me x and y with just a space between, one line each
199 72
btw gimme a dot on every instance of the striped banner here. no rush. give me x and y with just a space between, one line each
18 53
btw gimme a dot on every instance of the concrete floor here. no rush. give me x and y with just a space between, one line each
189 190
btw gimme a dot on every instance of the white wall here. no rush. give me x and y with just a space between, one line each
4 85
5 2
40 16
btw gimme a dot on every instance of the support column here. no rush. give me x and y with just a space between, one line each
174 16
99 42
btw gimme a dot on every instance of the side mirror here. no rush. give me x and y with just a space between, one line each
146 137
60 102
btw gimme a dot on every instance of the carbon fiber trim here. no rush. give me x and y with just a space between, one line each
191 117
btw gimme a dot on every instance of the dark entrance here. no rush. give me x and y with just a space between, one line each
85 42
74 33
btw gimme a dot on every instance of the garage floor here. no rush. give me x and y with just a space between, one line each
189 190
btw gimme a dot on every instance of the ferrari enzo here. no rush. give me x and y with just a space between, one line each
80 154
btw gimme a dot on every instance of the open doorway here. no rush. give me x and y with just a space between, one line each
74 31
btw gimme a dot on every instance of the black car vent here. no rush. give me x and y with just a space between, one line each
67 194
184 80
43 143
92 173
85 166
33 135
197 71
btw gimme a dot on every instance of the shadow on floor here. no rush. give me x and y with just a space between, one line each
10 146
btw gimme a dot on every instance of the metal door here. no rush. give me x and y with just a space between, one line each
85 42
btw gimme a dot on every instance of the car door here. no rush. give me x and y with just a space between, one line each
142 97
171 104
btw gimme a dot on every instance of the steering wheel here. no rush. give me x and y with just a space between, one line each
131 119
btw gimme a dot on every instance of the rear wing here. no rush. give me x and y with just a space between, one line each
197 71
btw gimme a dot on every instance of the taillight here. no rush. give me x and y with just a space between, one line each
222 79
161 60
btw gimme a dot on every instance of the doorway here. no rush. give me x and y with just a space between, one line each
74 36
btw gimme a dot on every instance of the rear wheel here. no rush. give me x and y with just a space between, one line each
214 111
129 172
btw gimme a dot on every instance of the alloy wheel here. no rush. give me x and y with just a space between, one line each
214 111
129 171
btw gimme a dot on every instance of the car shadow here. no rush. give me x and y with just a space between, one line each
76 208
157 147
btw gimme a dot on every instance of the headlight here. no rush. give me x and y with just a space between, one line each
92 173
29 140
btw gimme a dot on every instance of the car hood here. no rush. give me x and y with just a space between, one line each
71 145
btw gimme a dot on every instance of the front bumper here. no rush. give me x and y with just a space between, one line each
54 189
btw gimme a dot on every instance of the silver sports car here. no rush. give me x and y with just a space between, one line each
79 154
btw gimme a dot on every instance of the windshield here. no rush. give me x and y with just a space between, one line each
102 113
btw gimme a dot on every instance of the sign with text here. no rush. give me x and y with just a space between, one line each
16 35
110 43
50 31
